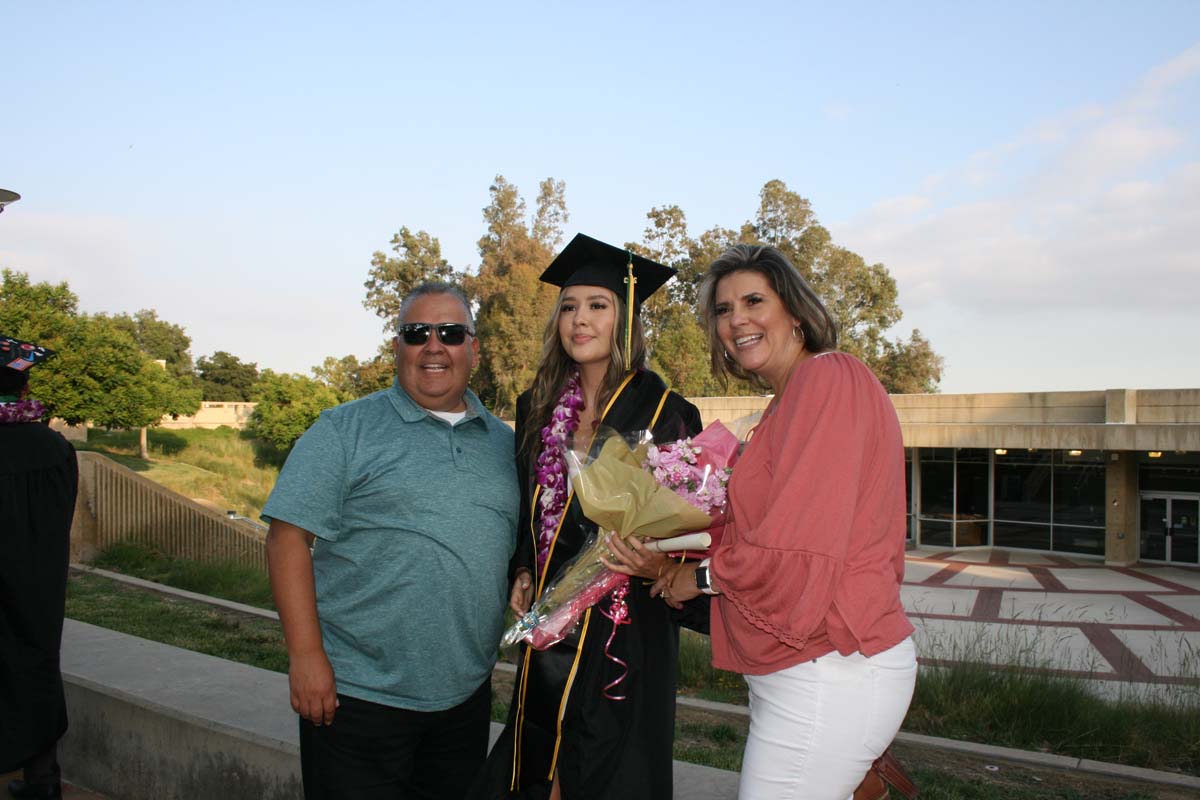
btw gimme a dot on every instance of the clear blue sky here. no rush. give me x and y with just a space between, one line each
1030 172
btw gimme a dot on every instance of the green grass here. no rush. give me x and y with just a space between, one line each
228 581
222 467
698 677
1031 711
192 626
937 784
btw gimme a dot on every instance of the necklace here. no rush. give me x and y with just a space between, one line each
552 467
21 411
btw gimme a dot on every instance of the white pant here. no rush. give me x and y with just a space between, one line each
816 727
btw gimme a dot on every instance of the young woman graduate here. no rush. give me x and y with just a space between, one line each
565 737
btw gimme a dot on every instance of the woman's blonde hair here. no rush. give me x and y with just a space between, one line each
816 323
555 366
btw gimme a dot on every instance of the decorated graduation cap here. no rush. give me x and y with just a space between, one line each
590 262
20 356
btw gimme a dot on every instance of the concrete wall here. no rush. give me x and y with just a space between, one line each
733 412
1177 406
72 433
1024 408
152 721
213 415
1121 514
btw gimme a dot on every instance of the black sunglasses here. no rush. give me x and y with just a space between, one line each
449 333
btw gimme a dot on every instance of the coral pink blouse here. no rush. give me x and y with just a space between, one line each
812 557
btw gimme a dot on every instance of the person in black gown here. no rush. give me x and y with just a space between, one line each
38 480
564 737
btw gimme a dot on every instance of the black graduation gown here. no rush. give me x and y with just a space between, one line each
38 480
602 748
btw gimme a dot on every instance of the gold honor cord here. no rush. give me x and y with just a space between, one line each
630 283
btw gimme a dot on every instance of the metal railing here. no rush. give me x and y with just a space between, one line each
127 507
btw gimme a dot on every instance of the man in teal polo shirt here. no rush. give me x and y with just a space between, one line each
408 500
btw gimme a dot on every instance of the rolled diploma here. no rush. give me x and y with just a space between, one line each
689 541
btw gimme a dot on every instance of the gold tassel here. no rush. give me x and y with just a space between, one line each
630 283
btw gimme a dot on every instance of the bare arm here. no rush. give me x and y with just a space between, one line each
310 676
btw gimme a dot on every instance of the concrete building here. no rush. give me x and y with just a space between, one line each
1113 474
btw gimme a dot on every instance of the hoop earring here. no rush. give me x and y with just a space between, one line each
798 333
727 356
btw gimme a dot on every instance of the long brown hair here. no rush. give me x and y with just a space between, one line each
555 367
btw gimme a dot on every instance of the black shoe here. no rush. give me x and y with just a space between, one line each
48 791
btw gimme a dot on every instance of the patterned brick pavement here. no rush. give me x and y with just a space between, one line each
1129 625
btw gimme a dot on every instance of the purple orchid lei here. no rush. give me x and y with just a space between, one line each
552 468
21 411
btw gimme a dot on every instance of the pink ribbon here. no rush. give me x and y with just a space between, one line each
618 612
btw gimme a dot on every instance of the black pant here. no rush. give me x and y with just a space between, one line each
376 752
43 768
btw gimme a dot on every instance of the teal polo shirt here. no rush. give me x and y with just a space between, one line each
415 522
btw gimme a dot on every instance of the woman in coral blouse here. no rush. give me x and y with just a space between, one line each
806 577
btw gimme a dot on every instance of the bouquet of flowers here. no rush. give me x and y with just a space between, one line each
631 487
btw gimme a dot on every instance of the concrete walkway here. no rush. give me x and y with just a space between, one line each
1130 631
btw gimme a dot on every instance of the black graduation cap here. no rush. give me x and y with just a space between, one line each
590 262
20 355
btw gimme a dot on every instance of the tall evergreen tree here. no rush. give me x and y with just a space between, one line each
513 305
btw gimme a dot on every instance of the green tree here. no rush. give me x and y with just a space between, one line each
862 297
37 312
224 378
350 378
175 390
551 213
102 374
287 406
159 339
418 259
910 367
677 342
679 352
513 305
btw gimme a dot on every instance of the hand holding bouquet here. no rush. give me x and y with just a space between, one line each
629 487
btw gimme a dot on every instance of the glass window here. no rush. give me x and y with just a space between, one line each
971 497
1079 487
1022 487
972 487
1088 541
936 532
1027 535
937 483
1169 472
908 493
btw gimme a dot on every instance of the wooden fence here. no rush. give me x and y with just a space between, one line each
118 505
